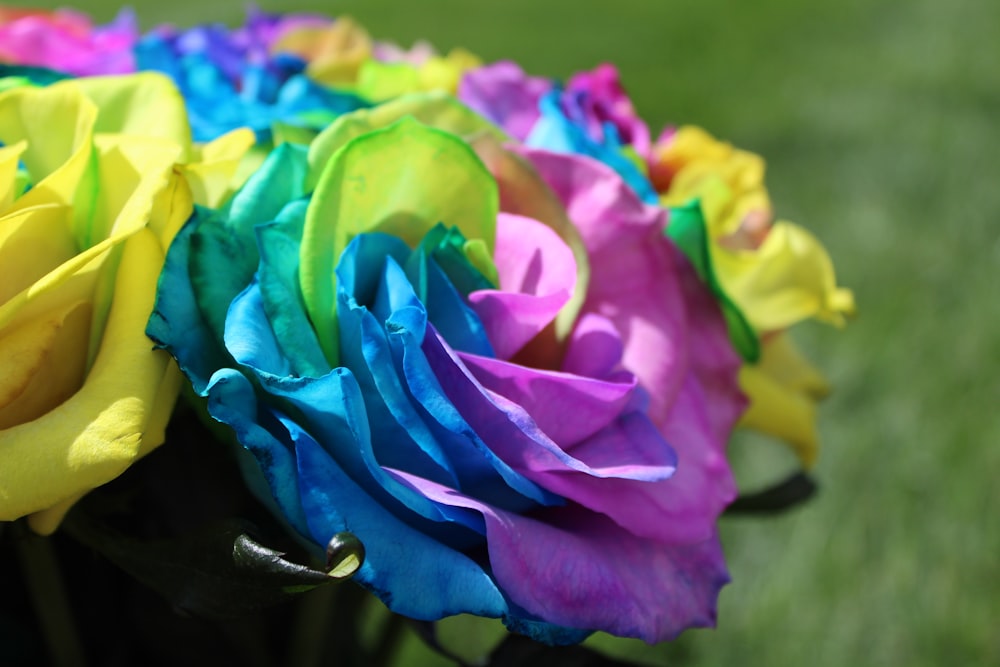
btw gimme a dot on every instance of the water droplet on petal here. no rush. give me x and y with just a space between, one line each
345 554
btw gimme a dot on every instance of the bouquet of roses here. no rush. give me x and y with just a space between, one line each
474 334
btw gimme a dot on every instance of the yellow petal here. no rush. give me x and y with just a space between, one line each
172 207
438 73
334 53
92 437
146 104
131 172
783 389
777 411
788 279
435 109
57 122
9 158
44 363
33 242
782 360
46 521
70 282
692 155
163 408
212 172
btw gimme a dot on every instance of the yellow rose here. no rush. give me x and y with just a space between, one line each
96 177
776 273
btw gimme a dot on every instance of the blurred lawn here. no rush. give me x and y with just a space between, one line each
880 120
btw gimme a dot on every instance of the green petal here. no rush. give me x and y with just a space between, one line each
402 181
378 81
435 109
687 229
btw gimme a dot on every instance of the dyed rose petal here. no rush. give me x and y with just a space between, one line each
605 101
539 564
504 94
534 285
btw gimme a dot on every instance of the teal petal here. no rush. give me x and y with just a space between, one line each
177 323
278 244
231 241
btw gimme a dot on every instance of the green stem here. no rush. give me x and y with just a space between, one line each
44 582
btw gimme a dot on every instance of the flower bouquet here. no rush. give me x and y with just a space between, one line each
473 338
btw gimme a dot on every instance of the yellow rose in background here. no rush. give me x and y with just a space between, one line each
776 273
96 177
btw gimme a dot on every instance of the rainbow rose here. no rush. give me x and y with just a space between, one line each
96 176
487 361
766 276
67 41
772 274
233 78
288 76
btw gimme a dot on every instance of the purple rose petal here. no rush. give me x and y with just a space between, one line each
576 568
504 94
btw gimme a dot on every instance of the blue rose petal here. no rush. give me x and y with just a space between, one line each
554 131
446 308
420 407
177 323
414 574
232 401
225 89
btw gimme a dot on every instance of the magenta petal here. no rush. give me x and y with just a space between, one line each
637 467
537 274
512 319
714 362
703 484
633 270
576 568
531 258
611 104
594 348
648 291
588 572
568 408
66 41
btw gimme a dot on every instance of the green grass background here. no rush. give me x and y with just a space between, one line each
880 121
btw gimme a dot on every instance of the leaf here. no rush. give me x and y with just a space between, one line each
218 572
